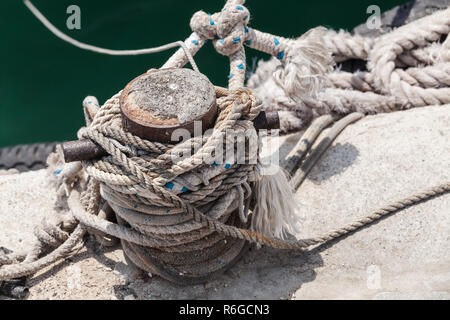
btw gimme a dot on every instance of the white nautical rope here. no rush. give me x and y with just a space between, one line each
138 178
92 48
407 68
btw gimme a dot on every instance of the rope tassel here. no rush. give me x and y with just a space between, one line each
276 211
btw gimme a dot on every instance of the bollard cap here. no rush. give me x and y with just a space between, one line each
160 101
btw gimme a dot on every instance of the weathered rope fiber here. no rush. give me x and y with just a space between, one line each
89 47
307 165
408 67
130 235
163 200
295 157
134 237
187 220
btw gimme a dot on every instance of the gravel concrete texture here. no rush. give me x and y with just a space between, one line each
374 161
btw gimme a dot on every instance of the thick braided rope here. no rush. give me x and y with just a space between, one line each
124 168
408 67
386 87
130 173
304 61
222 228
17 270
140 185
388 48
89 220
132 236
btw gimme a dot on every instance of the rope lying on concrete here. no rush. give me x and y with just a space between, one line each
408 67
160 203
133 239
337 128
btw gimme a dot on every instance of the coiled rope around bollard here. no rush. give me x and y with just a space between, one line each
209 221
133 237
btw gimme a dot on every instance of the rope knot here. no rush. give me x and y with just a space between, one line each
244 99
227 29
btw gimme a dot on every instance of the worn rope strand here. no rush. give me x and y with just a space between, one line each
147 189
92 48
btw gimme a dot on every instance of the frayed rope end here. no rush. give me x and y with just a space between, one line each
64 176
307 62
276 212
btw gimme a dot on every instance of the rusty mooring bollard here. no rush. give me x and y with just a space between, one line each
157 103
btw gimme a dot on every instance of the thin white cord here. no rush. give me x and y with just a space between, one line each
89 47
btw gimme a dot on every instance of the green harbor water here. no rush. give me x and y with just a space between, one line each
44 80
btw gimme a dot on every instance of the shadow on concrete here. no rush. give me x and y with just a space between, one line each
264 273
93 250
324 169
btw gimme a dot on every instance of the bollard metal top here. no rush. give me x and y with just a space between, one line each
156 103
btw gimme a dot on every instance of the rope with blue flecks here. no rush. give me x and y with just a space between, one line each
169 213
407 67
229 32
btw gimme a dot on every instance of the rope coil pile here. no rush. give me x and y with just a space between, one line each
158 197
407 67
188 220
